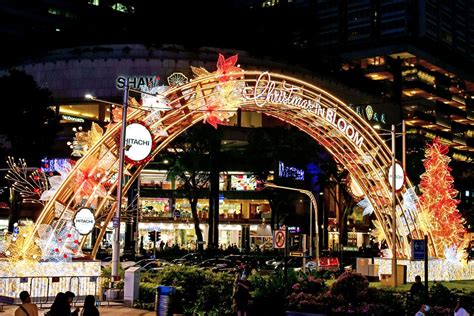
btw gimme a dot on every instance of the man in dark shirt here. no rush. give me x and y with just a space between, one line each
417 288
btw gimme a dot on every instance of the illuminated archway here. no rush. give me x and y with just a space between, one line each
214 97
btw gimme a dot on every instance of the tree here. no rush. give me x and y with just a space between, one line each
27 123
190 164
438 203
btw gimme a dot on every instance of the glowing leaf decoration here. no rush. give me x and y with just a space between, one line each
367 206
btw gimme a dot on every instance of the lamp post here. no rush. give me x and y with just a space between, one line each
393 184
394 213
313 205
116 220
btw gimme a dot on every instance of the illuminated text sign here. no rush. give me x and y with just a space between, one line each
268 91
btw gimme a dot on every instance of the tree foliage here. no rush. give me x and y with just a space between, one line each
28 125
189 164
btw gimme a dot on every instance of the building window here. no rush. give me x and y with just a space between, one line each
54 11
123 8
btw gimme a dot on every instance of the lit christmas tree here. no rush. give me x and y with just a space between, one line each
438 203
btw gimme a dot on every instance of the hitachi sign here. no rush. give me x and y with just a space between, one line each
140 142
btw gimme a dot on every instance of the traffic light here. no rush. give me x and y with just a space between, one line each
158 235
151 236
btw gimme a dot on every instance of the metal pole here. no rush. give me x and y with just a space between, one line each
404 146
116 243
426 264
310 228
394 213
316 228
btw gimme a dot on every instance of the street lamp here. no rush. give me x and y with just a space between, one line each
313 205
116 220
393 182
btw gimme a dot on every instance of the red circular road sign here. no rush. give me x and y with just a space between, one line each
280 239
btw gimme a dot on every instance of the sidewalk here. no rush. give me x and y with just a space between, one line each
104 311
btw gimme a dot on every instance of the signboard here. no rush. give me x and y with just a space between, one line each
279 239
296 254
115 222
290 172
138 142
399 176
418 249
267 91
84 221
294 229
72 118
135 82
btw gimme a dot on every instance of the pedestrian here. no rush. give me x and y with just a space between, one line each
460 308
69 298
424 309
26 308
89 307
241 294
60 307
417 288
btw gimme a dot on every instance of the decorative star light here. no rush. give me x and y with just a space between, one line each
378 232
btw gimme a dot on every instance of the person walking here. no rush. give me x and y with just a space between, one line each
89 307
241 294
26 308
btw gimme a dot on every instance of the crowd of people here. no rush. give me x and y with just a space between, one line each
62 306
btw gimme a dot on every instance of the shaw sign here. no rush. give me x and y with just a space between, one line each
267 91
84 221
138 142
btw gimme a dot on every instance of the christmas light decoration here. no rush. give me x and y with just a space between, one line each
367 206
55 181
30 185
17 249
438 201
83 141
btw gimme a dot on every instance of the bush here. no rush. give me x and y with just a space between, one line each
106 277
274 289
303 302
197 291
353 287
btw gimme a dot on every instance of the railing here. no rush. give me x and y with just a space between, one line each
43 289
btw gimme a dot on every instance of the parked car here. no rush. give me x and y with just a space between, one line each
155 265
107 263
244 260
218 265
189 259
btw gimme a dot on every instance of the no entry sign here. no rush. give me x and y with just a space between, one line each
279 239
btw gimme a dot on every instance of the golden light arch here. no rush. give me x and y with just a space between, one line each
214 97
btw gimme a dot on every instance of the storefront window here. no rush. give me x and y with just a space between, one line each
243 182
157 207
